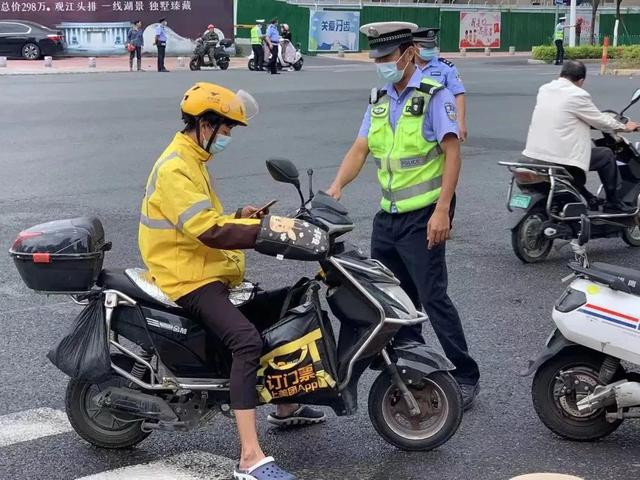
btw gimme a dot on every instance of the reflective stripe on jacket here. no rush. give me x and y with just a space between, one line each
185 239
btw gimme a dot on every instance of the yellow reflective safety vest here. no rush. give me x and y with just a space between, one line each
256 34
559 33
178 208
409 167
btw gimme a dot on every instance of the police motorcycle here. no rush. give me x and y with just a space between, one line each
580 389
165 372
288 56
220 57
544 189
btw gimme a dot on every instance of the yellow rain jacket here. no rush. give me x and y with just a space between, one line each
185 239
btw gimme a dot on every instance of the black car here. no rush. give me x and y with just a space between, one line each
28 40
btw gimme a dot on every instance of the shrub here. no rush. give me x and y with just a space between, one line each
627 53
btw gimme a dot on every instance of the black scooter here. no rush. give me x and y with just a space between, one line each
220 57
168 373
539 215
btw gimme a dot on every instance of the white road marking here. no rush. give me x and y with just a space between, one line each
194 465
31 425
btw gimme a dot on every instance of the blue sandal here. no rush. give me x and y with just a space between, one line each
265 469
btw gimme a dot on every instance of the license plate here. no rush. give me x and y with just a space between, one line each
520 201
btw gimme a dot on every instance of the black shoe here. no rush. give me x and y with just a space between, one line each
595 203
469 394
302 416
618 207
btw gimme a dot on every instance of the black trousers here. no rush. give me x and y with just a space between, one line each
258 56
161 50
136 53
211 306
273 63
603 161
559 51
400 242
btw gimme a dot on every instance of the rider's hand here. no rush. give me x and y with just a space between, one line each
631 126
334 191
250 210
438 228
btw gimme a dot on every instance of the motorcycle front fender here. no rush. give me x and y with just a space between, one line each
555 344
415 361
517 214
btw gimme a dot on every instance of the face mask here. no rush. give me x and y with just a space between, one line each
222 141
429 53
389 72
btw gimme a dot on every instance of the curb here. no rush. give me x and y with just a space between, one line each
624 72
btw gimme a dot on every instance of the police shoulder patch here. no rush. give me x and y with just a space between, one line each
450 110
446 62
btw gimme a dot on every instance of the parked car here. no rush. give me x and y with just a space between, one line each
29 40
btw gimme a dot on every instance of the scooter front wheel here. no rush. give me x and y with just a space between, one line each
631 236
194 64
557 387
440 403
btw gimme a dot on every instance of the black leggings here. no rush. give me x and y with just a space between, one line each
210 305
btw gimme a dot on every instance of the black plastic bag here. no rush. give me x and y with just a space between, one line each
83 353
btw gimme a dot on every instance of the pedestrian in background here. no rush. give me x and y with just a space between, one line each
273 40
257 40
161 43
135 42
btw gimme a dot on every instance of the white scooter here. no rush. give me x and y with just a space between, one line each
289 57
580 390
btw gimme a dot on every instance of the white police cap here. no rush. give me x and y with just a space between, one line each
385 37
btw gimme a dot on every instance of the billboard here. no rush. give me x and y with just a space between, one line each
100 26
479 29
328 30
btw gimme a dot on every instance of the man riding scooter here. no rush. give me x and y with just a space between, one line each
560 134
192 250
210 39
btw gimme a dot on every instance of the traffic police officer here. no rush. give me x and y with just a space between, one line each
441 70
558 38
257 38
410 128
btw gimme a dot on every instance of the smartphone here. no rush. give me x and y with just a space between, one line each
263 209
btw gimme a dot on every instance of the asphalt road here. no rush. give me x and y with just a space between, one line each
73 145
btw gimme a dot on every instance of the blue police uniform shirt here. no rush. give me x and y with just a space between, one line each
440 118
273 34
160 33
444 72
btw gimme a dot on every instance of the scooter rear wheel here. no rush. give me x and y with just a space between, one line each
97 426
440 404
251 64
194 64
528 240
557 408
631 236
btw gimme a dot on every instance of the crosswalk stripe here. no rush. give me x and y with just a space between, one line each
31 425
195 465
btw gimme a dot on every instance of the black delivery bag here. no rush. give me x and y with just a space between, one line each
83 353
298 361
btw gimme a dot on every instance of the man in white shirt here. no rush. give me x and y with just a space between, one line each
560 134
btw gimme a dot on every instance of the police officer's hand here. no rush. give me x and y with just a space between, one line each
438 228
334 191
462 128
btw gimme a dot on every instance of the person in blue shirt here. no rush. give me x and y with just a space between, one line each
441 70
410 241
273 40
161 43
135 41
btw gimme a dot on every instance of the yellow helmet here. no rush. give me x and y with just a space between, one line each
202 98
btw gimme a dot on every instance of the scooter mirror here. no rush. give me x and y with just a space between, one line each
636 96
283 170
585 230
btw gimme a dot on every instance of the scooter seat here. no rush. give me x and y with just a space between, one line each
629 276
134 283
